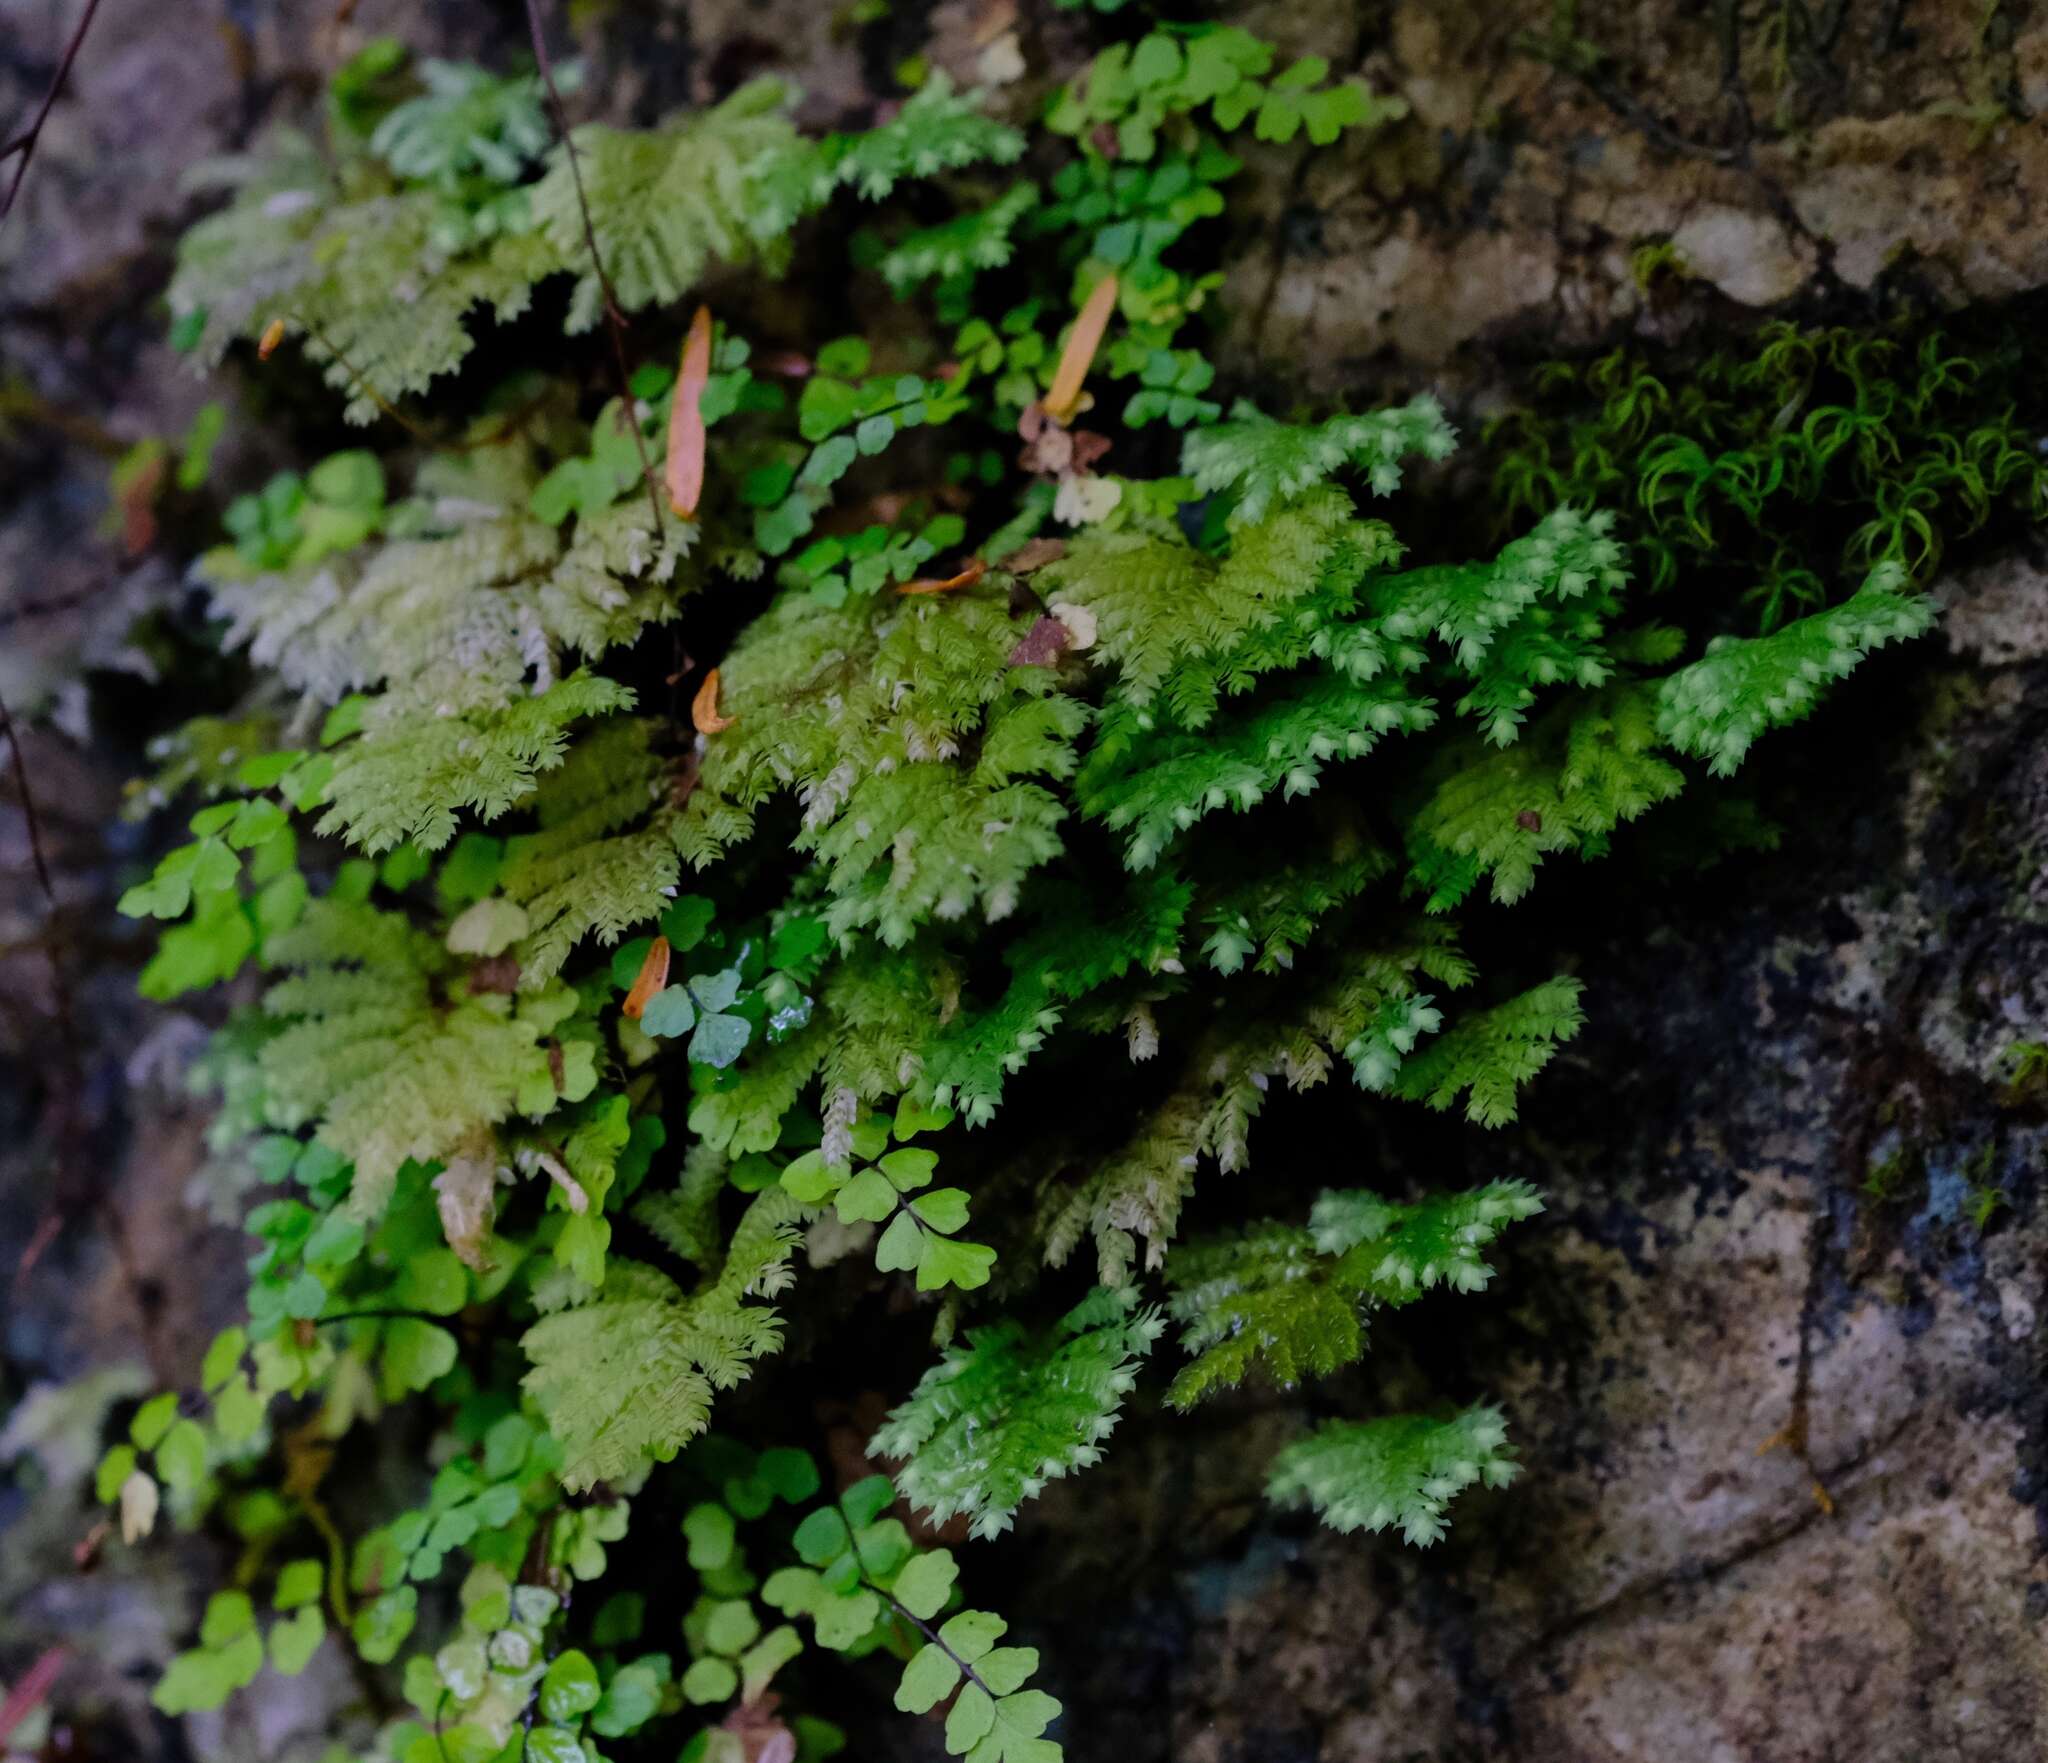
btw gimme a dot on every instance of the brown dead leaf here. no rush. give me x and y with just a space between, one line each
1043 645
973 573
704 715
497 974
1055 451
762 1735
138 505
273 334
686 419
1035 554
653 976
1064 400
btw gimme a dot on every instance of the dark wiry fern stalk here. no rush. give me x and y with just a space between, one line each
614 319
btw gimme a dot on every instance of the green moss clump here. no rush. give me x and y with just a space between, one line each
1779 469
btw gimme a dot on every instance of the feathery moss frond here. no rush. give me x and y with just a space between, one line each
1402 1470
996 1419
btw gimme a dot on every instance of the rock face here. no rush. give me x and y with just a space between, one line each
1645 167
1773 1356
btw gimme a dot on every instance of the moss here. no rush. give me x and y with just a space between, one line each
1656 263
2026 1073
1895 1175
1778 469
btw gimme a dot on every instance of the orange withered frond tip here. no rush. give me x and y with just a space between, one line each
273 334
932 585
1063 401
686 419
704 715
653 976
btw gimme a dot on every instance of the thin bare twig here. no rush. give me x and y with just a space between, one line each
76 1186
24 143
614 319
28 807
12 615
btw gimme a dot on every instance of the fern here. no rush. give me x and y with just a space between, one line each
1403 1470
1368 1014
959 247
364 1047
1265 462
386 309
1052 815
1489 1056
628 1371
864 718
1717 707
1265 1298
1433 1241
1290 1302
409 773
602 860
463 621
468 124
997 1419
936 130
666 203
1587 767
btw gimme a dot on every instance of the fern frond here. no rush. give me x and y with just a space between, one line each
624 1377
1289 1302
1587 766
665 203
1266 1299
388 309
969 242
1489 1056
937 129
468 619
1402 1470
367 1052
1005 1413
409 774
628 1372
603 861
468 123
1428 1242
1267 462
1157 786
1715 708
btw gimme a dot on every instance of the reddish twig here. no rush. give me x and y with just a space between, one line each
614 319
28 1693
24 143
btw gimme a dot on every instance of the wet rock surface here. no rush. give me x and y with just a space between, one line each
1570 172
1772 1357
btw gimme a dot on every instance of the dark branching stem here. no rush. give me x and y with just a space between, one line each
931 1634
28 807
72 1164
360 382
12 615
923 1627
614 319
23 147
